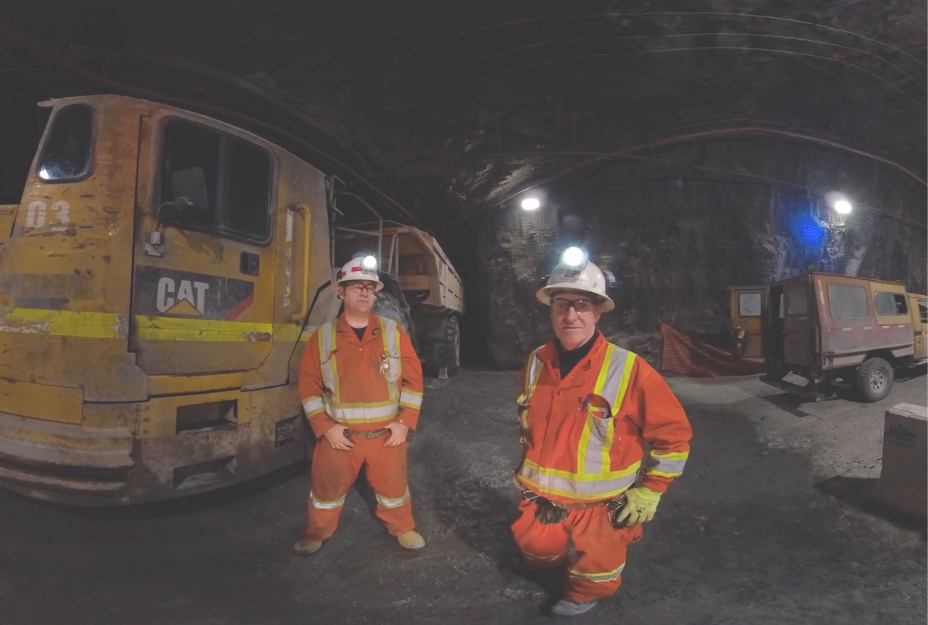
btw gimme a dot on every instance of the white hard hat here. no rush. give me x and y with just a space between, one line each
576 273
360 268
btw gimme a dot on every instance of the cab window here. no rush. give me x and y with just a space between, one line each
237 176
66 155
890 304
798 303
848 302
749 304
923 310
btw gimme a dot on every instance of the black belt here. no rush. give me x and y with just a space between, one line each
530 496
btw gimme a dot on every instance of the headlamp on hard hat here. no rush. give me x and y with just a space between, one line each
574 257
369 262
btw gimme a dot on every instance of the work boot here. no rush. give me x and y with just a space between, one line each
306 546
411 540
569 608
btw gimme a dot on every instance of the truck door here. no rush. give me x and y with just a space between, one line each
799 339
918 309
748 304
203 275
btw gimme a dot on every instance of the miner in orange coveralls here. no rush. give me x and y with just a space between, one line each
588 408
361 387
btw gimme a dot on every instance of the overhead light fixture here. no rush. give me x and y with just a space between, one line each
839 202
369 262
574 256
530 203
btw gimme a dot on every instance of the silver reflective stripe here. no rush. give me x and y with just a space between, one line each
593 453
387 502
313 404
548 481
532 373
411 399
375 413
601 437
669 466
327 505
327 358
598 578
391 349
617 376
526 554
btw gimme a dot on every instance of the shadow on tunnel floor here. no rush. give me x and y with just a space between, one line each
907 373
190 504
859 492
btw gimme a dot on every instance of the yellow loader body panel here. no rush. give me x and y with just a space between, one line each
148 352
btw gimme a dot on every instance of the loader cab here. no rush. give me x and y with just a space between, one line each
158 277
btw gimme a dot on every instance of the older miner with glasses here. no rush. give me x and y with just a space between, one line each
587 409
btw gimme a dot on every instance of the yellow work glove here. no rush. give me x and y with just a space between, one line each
641 506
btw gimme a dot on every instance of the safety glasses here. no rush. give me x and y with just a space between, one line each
561 305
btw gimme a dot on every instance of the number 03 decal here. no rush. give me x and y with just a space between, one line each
35 215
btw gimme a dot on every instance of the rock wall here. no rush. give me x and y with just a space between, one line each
678 235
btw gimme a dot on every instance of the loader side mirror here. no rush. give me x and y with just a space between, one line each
188 188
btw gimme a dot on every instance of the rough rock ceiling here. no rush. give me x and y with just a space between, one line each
445 108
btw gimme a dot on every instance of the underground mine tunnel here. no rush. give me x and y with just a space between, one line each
487 312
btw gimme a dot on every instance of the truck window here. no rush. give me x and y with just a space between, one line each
890 304
848 302
798 302
238 176
66 153
923 309
749 304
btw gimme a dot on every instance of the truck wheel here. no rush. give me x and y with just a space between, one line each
451 347
440 343
389 306
874 380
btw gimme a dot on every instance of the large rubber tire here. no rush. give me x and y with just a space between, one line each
390 307
450 350
440 344
874 380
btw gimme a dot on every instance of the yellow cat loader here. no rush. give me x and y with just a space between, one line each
156 283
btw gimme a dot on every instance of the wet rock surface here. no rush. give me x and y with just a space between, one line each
744 537
677 239
688 144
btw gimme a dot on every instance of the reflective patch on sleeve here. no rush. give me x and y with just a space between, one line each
411 399
667 464
313 405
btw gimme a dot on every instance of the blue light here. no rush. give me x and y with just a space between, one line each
804 228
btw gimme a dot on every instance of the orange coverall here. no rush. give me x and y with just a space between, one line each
364 385
582 438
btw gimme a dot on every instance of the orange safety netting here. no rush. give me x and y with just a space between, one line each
691 357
